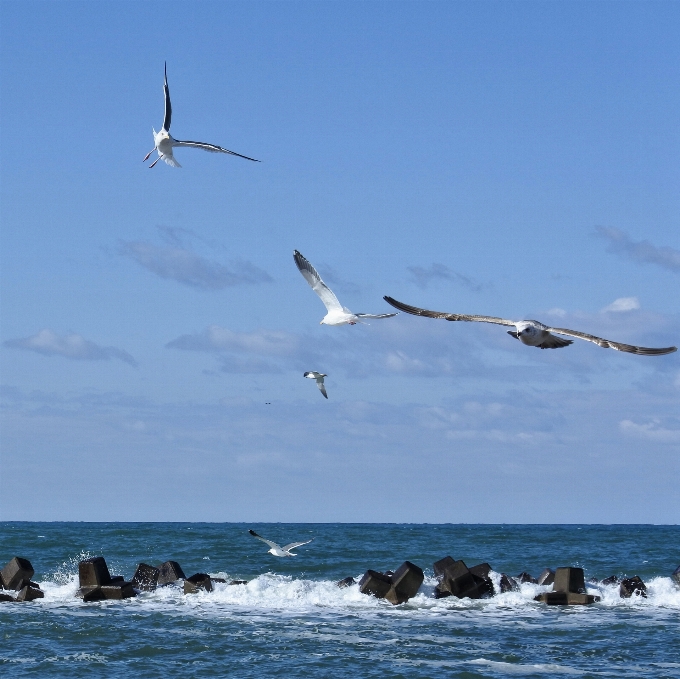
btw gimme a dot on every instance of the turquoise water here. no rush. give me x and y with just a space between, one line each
292 621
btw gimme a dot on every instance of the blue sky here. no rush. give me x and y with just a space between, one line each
510 159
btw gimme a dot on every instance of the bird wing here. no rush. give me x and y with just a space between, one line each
170 160
213 148
608 344
416 311
168 106
273 545
375 315
552 342
293 545
320 384
320 288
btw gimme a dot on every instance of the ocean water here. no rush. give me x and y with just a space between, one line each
291 620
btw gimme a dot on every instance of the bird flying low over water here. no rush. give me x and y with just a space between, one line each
277 550
337 314
164 143
313 375
533 333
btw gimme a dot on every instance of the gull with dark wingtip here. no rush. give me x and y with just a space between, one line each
533 333
164 142
313 375
337 314
276 549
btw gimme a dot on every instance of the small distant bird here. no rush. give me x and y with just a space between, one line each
277 550
313 375
164 143
533 333
337 314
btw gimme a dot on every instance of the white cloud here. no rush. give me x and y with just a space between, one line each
652 431
422 277
560 313
216 338
73 346
641 251
623 304
180 263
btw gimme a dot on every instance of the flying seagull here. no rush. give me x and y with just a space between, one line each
277 550
533 333
313 375
337 314
164 143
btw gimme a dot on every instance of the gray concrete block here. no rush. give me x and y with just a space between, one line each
566 599
675 576
345 582
145 578
547 577
17 573
198 582
118 590
375 583
407 579
29 593
457 579
632 587
170 572
569 580
6 598
508 584
93 572
526 577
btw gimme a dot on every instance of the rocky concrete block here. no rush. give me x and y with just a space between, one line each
17 573
198 582
569 580
566 599
675 576
118 590
481 574
88 594
145 578
547 577
441 565
29 593
6 598
407 579
508 584
612 580
375 583
345 582
526 577
632 587
459 581
93 572
170 572
238 582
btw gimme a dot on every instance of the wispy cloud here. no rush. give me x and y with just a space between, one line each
422 277
178 261
261 342
623 304
641 251
652 431
73 346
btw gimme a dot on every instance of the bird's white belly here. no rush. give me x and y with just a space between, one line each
339 319
533 340
164 147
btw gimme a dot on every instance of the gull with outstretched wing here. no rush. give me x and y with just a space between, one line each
337 314
164 142
313 375
533 333
277 550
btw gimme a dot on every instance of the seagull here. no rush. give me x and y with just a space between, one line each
337 314
313 375
164 143
277 550
533 333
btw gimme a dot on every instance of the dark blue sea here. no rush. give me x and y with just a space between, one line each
291 620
